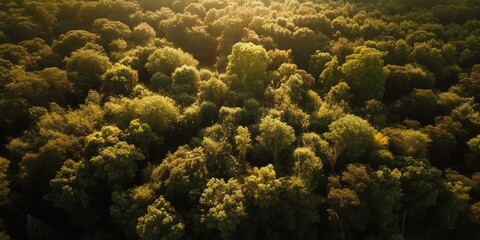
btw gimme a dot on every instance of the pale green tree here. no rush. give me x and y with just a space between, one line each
244 142
275 136
350 137
223 206
85 68
4 182
167 59
365 74
248 62
119 80
117 164
307 166
160 222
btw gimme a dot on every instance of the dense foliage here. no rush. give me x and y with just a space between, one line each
243 119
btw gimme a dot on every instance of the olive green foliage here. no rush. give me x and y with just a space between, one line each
166 60
119 80
365 73
85 68
243 119
275 136
4 182
223 206
160 222
352 137
248 64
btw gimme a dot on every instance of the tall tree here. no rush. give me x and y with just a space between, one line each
275 136
365 74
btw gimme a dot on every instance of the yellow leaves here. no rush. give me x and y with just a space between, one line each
396 174
380 140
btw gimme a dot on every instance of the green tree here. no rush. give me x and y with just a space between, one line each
117 164
318 62
4 182
275 136
159 112
244 142
160 222
365 74
408 142
213 90
350 138
469 84
307 166
420 104
305 43
72 41
167 59
181 176
421 185
85 68
248 62
40 88
144 34
186 81
119 80
111 30
223 206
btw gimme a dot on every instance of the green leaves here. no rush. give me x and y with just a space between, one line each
166 60
352 137
275 136
160 222
222 206
365 74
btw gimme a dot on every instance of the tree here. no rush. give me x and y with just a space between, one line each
347 201
469 84
408 142
141 135
365 74
70 189
117 164
275 136
111 30
160 222
244 142
40 54
85 68
421 185
181 176
305 43
248 63
119 80
167 59
318 62
186 81
72 41
397 83
307 166
420 104
223 206
129 205
213 90
159 112
4 182
331 75
350 137
40 88
144 34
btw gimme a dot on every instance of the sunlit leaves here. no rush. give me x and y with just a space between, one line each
160 222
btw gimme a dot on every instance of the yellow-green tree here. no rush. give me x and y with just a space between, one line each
365 74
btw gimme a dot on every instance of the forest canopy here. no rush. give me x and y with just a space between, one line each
242 119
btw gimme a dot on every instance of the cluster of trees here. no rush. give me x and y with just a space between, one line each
244 119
